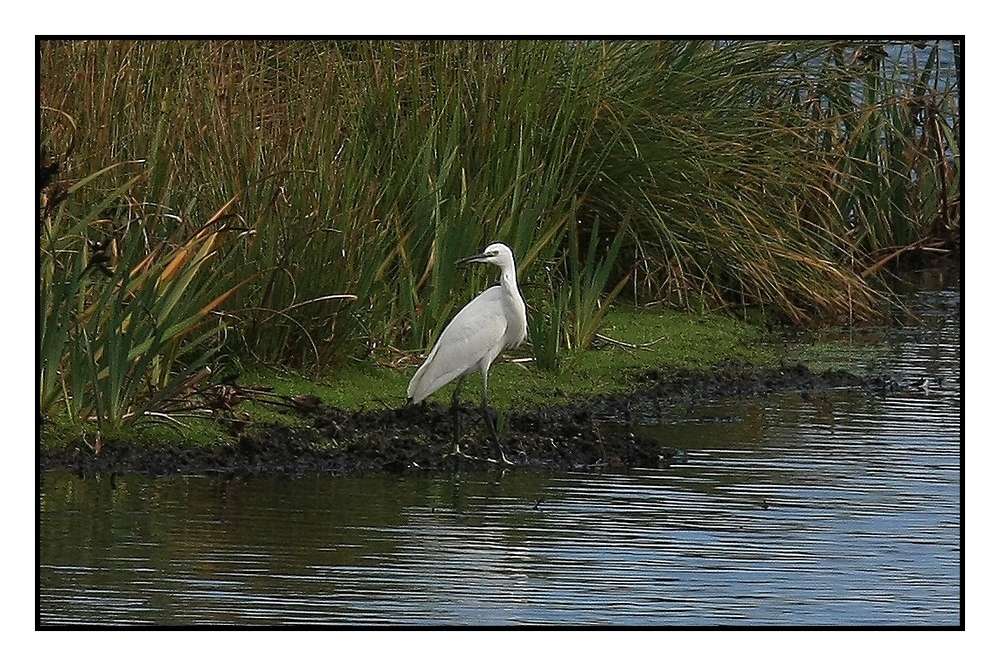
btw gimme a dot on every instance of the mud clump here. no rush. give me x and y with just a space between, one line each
593 433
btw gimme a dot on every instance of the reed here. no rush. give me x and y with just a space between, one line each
127 324
889 128
699 174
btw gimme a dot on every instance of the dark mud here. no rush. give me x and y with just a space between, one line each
595 433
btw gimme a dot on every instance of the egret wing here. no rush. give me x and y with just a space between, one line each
476 332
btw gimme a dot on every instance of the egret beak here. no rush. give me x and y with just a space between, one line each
474 258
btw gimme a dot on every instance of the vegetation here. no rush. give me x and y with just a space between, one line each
228 204
632 341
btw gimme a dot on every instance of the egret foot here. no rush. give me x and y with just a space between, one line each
503 460
459 453
496 436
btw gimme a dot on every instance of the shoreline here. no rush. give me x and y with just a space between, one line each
594 433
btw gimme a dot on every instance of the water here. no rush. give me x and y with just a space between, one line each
831 508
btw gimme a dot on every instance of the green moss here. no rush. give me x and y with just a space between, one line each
58 432
840 349
367 384
635 340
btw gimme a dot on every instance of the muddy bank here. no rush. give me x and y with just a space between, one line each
594 433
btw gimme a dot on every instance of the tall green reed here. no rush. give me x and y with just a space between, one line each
751 173
127 322
888 123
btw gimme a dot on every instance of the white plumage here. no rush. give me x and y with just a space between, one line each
491 322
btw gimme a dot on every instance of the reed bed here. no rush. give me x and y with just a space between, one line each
303 203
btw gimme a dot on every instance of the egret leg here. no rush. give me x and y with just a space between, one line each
492 426
454 411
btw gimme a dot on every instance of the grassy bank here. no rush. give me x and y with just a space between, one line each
208 208
633 341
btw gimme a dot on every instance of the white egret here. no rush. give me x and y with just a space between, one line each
491 322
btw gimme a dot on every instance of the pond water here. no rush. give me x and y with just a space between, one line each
833 508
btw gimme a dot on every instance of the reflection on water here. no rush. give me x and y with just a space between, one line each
803 509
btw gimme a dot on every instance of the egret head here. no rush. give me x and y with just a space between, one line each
496 253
